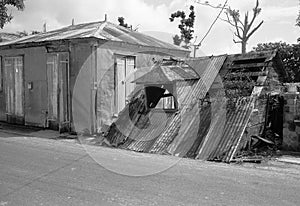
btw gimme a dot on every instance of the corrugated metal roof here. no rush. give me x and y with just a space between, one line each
8 36
101 30
161 73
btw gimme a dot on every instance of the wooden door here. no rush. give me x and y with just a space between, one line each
124 75
58 87
121 89
14 89
129 72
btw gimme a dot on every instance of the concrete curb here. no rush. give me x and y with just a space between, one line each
289 159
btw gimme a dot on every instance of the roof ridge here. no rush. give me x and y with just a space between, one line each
100 27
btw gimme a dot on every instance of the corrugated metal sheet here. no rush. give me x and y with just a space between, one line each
101 30
141 139
207 68
120 130
167 73
8 36
222 139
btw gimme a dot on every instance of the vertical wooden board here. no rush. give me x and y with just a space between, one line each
19 86
63 86
52 82
14 89
49 72
2 92
9 85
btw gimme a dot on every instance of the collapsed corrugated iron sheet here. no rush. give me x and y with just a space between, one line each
225 133
142 138
208 69
101 30
161 73
209 124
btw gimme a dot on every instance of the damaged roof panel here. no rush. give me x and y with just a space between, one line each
167 73
141 139
208 69
225 133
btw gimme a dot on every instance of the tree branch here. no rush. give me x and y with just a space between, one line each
209 5
237 42
237 27
255 13
246 27
229 22
237 36
248 36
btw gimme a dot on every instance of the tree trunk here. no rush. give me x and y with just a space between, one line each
244 43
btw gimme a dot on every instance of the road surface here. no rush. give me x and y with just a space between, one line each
35 171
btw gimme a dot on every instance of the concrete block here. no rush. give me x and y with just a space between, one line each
290 140
286 108
292 126
288 117
290 101
297 130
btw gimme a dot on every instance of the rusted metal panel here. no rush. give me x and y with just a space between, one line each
207 68
161 73
143 137
224 147
222 141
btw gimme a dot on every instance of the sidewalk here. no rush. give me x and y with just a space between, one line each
20 130
27 131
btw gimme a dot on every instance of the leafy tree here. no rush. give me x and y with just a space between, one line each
22 33
243 27
290 55
177 40
4 16
121 21
35 32
186 26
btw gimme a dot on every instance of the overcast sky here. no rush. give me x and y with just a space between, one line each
152 17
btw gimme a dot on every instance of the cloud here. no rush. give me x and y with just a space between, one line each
153 16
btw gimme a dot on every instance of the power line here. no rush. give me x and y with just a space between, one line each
213 23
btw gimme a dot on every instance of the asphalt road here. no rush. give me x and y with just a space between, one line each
35 171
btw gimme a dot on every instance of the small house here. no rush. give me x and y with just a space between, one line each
77 77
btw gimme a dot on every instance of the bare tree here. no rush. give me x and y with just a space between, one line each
245 28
